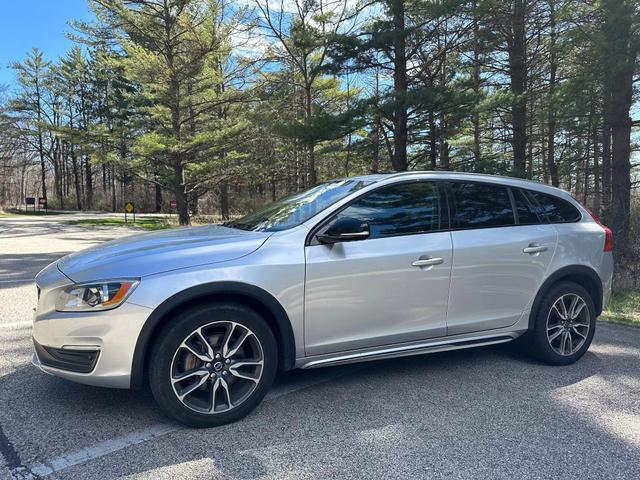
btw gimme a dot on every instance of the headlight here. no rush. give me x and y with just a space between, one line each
94 296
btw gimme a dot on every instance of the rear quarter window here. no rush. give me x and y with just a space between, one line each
555 209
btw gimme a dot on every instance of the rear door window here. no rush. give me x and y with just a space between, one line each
478 205
526 212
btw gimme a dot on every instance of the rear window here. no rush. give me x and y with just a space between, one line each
556 209
480 206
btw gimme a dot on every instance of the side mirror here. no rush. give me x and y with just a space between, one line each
344 229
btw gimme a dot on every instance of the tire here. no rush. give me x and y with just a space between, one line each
558 341
224 389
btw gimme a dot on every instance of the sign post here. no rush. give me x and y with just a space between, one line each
129 208
29 201
173 205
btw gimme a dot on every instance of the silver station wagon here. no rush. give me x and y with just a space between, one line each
354 269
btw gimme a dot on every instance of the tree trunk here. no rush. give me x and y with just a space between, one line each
58 172
606 155
375 143
445 159
193 205
518 75
433 141
158 198
375 133
312 175
113 189
43 171
477 160
400 117
597 187
272 183
587 165
543 154
621 182
174 103
64 170
552 167
312 178
157 193
89 182
224 201
180 190
57 185
530 153
619 61
445 163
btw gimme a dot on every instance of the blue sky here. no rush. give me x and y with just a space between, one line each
35 23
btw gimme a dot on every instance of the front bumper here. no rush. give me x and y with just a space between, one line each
108 337
76 360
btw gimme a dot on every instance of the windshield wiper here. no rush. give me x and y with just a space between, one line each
236 225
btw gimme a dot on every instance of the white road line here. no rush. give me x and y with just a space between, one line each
90 453
25 323
19 280
107 447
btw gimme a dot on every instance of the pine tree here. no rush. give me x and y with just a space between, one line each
172 51
29 104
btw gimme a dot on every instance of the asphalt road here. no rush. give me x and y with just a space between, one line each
481 413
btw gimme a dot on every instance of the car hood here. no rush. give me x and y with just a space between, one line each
157 252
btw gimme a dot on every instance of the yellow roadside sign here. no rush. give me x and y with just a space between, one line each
128 207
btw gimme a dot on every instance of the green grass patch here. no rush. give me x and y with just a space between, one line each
624 307
147 223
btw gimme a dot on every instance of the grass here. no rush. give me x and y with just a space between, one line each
624 308
30 213
147 223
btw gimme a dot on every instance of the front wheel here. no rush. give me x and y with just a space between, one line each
564 325
213 364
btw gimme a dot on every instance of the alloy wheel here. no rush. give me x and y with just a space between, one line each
217 367
568 324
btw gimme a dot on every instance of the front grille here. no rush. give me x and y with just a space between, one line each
79 361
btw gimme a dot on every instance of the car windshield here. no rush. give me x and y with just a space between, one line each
298 208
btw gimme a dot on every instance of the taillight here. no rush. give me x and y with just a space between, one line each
608 234
608 239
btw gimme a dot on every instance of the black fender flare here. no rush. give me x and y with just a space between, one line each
581 274
256 298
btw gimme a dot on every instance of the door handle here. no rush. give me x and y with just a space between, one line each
533 249
427 262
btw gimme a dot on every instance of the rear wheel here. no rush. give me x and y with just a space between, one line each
564 325
213 364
